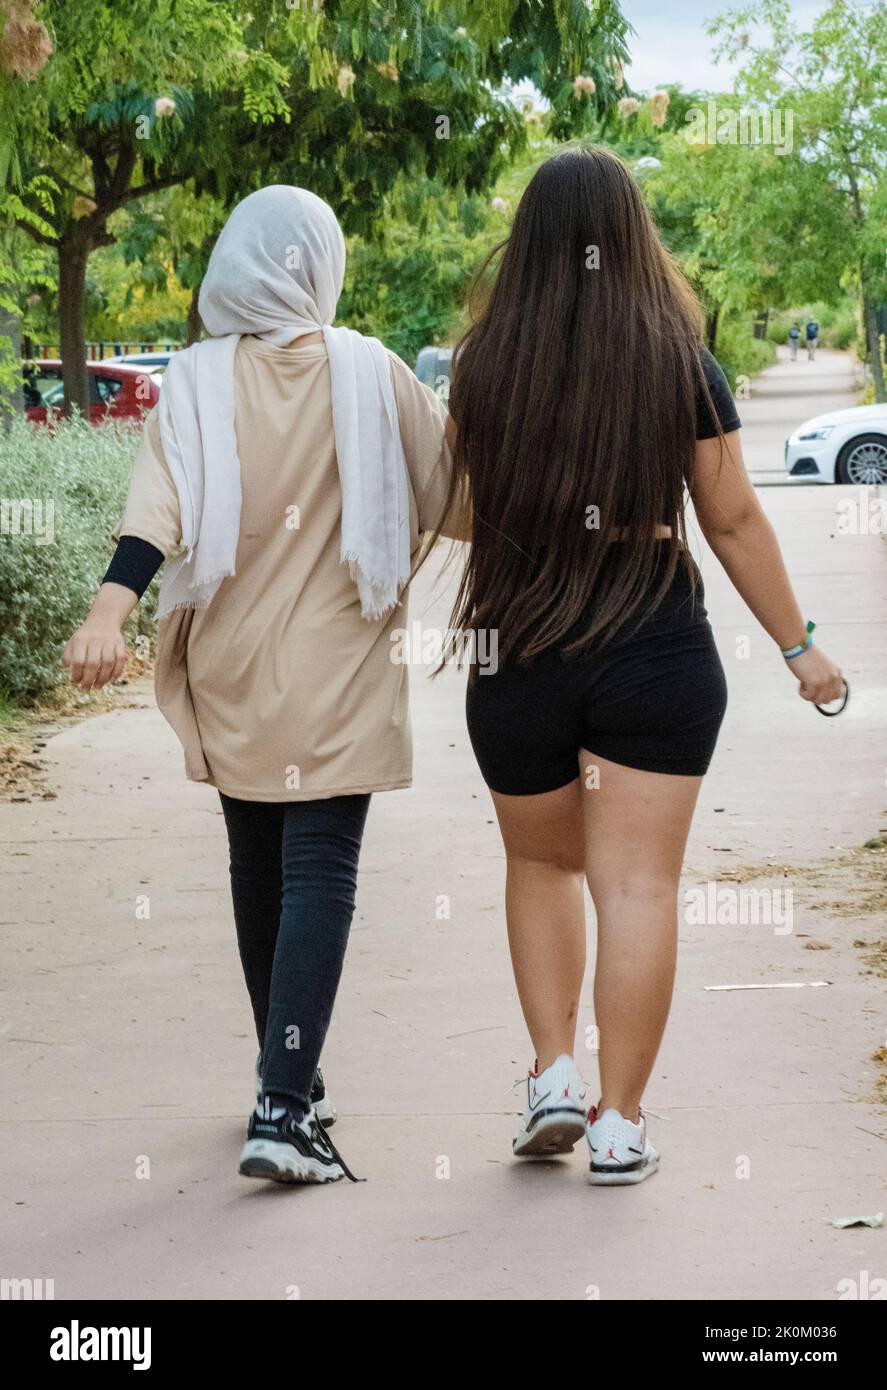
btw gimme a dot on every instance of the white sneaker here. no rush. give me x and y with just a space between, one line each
620 1151
554 1119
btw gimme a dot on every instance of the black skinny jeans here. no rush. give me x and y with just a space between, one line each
293 881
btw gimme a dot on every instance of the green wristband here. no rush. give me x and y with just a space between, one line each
790 652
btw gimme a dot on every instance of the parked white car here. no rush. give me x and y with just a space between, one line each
842 446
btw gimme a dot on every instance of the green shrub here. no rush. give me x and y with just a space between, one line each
839 325
410 290
842 332
67 485
739 352
778 326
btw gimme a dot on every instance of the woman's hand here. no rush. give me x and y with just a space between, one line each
96 653
820 677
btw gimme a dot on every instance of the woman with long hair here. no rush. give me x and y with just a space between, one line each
286 478
585 408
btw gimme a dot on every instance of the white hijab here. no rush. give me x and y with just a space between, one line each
276 271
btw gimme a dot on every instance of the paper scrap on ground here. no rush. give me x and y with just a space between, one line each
874 1221
791 984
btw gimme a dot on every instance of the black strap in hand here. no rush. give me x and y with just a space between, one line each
832 713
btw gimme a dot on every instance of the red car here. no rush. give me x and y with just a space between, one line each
115 392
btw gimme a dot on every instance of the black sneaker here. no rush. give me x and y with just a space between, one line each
286 1149
323 1105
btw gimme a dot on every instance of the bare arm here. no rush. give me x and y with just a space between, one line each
427 434
734 524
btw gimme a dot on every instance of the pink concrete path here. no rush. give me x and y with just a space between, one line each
128 1050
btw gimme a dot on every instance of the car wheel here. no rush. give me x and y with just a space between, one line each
863 460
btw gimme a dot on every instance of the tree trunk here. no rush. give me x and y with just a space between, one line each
74 248
873 340
194 327
711 328
869 313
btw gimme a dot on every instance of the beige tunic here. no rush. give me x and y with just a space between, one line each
280 690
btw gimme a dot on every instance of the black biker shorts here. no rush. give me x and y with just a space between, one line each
653 698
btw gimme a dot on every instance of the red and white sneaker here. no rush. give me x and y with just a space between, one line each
620 1151
554 1119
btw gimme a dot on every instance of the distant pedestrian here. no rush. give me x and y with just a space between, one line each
794 337
812 331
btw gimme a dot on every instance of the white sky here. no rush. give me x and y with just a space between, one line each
671 45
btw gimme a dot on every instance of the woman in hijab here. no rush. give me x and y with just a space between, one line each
286 478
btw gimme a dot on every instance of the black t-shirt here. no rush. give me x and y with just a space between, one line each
722 397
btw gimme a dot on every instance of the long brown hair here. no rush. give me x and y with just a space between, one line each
575 390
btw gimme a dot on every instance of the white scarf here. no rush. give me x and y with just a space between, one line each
276 271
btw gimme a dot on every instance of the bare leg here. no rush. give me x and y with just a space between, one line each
636 827
545 908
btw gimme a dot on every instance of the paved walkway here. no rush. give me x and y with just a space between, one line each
127 1042
785 395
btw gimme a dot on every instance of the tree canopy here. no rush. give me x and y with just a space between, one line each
347 97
